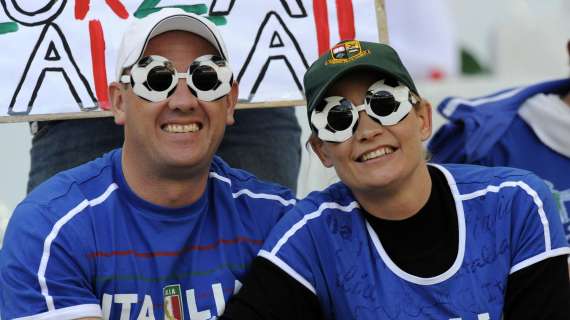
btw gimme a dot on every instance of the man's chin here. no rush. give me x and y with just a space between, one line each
185 167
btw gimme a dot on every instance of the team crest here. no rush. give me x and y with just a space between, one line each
172 303
346 51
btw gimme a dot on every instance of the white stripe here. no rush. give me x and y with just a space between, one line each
539 257
285 267
455 102
254 195
53 234
219 177
315 214
531 192
264 196
75 312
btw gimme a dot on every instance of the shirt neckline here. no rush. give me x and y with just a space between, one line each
150 209
460 247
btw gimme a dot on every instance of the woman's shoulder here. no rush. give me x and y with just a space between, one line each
335 199
465 175
337 193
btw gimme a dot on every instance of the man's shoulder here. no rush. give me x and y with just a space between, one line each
241 182
86 181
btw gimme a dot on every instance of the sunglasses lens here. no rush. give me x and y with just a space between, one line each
339 117
159 78
382 103
205 78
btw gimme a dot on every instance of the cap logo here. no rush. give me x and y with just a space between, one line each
346 52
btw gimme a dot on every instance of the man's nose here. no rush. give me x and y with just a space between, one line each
182 98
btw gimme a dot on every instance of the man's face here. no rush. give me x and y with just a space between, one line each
176 137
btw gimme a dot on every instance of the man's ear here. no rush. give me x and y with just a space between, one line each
118 105
318 147
424 114
232 99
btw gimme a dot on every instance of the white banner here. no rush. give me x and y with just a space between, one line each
59 55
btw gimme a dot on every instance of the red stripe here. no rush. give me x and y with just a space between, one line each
118 8
81 9
176 307
174 253
99 65
345 16
320 12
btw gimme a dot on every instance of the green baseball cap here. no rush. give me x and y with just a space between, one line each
348 56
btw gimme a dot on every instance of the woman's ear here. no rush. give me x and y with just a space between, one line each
423 111
116 93
318 146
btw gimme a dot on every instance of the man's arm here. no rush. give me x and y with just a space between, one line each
43 268
540 291
269 292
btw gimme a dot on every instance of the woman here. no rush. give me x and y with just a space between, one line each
398 238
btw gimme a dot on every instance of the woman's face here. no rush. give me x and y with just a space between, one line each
376 156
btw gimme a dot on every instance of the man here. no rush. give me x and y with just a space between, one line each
160 228
525 127
273 156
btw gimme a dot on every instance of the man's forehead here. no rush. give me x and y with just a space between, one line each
181 38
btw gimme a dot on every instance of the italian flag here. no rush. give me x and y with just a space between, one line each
172 303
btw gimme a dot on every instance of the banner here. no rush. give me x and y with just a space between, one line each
58 56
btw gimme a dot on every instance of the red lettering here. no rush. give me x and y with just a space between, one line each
99 65
322 25
118 8
82 8
345 16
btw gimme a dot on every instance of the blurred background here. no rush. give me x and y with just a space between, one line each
452 47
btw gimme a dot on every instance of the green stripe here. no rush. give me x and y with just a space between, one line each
218 20
7 27
198 9
150 6
174 276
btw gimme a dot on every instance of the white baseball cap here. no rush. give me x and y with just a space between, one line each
139 33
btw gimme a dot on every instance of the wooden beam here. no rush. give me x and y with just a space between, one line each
382 21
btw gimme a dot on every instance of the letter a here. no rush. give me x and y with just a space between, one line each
274 43
51 54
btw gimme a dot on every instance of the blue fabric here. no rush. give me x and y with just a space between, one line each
97 243
265 142
327 245
488 131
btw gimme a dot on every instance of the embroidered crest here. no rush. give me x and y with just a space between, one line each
346 51
172 302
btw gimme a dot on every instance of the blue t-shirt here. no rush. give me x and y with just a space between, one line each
506 221
83 244
488 131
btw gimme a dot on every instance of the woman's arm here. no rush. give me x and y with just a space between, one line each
268 292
